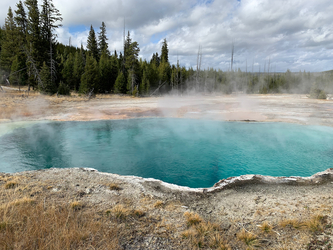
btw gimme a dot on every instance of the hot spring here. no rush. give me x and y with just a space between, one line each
194 153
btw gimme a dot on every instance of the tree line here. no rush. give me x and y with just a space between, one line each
31 55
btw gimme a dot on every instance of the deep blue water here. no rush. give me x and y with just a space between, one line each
194 153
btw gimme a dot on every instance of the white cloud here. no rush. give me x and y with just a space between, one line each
291 34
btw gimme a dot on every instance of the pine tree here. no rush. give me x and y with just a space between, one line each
14 79
1 37
50 18
92 43
164 67
18 73
90 77
164 72
120 85
48 85
105 73
155 59
9 47
165 52
154 78
127 44
145 84
78 68
68 71
33 34
102 40
131 63
1 34
114 70
21 22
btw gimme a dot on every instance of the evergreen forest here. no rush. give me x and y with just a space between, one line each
30 55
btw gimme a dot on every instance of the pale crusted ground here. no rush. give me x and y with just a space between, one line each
240 107
288 209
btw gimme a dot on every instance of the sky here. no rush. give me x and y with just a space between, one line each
279 35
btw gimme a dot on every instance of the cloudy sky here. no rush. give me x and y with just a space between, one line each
290 34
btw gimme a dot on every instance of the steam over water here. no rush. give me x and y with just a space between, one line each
194 153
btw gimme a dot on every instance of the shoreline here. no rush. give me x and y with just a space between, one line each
318 178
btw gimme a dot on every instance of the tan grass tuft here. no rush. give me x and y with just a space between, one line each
138 213
202 234
189 234
115 187
247 237
158 204
11 184
192 218
76 205
266 227
120 212
291 222
316 223
216 241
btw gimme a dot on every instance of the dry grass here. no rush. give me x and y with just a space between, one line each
18 202
192 218
315 223
158 204
138 213
247 237
266 227
30 225
114 186
76 205
202 234
120 212
11 184
295 223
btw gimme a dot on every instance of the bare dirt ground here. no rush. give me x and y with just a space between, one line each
148 214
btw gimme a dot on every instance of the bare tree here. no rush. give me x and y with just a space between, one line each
232 55
53 69
33 69
199 57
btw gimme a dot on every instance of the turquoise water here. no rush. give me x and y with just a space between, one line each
186 152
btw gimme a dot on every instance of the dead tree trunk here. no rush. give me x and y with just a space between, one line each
158 88
232 57
33 68
90 94
199 56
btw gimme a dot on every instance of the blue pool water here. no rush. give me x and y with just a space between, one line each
194 153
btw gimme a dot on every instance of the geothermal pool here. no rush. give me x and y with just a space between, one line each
194 153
